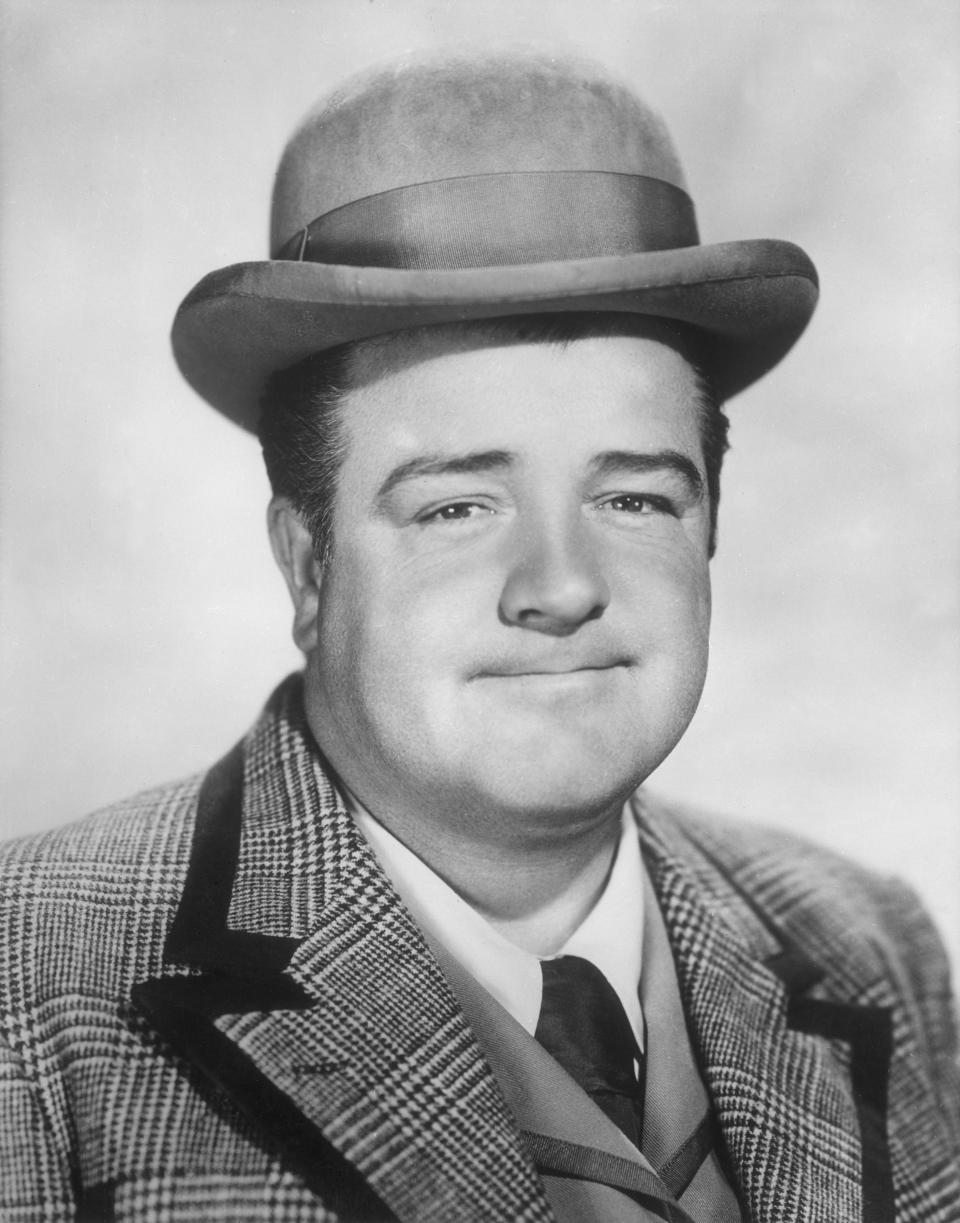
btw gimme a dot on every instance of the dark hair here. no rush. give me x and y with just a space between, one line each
303 439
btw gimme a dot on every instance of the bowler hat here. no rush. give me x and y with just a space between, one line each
448 187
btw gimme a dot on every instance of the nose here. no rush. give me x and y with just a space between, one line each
554 582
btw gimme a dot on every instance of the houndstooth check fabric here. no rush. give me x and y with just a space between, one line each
312 1053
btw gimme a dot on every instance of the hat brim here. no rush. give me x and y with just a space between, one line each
750 299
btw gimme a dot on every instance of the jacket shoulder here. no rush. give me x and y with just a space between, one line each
861 925
89 901
782 870
843 914
119 834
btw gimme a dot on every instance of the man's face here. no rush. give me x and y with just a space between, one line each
513 624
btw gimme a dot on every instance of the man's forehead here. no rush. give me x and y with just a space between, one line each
388 355
574 393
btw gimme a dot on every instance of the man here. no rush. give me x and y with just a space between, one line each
417 948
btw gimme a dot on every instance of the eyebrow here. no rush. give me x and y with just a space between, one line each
446 465
638 462
609 463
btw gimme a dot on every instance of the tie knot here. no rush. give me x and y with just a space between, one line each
584 1026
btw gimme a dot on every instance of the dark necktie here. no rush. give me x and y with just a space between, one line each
584 1026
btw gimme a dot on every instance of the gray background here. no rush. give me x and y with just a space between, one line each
141 622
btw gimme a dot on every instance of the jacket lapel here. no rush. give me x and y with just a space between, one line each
319 1011
796 1062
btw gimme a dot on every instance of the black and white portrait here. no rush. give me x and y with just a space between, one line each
478 531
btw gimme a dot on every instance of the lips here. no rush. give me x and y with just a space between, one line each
523 670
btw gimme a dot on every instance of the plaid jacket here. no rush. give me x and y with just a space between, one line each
214 1007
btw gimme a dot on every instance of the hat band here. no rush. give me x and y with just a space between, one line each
496 220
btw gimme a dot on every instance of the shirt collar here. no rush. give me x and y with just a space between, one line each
610 936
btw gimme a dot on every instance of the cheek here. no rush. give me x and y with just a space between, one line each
387 630
431 604
690 605
665 586
688 610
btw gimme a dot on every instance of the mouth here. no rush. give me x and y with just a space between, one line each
554 671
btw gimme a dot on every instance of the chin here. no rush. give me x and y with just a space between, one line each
561 782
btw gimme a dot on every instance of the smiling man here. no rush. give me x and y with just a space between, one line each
516 633
420 947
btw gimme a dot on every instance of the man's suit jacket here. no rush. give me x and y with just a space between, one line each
214 1006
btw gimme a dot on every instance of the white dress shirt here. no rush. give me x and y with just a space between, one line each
610 936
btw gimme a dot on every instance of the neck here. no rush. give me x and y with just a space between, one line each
534 886
540 903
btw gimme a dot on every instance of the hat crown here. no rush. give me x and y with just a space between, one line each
450 187
446 117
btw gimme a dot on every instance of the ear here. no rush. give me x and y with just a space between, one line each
293 551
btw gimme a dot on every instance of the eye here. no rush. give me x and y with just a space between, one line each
640 503
455 511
